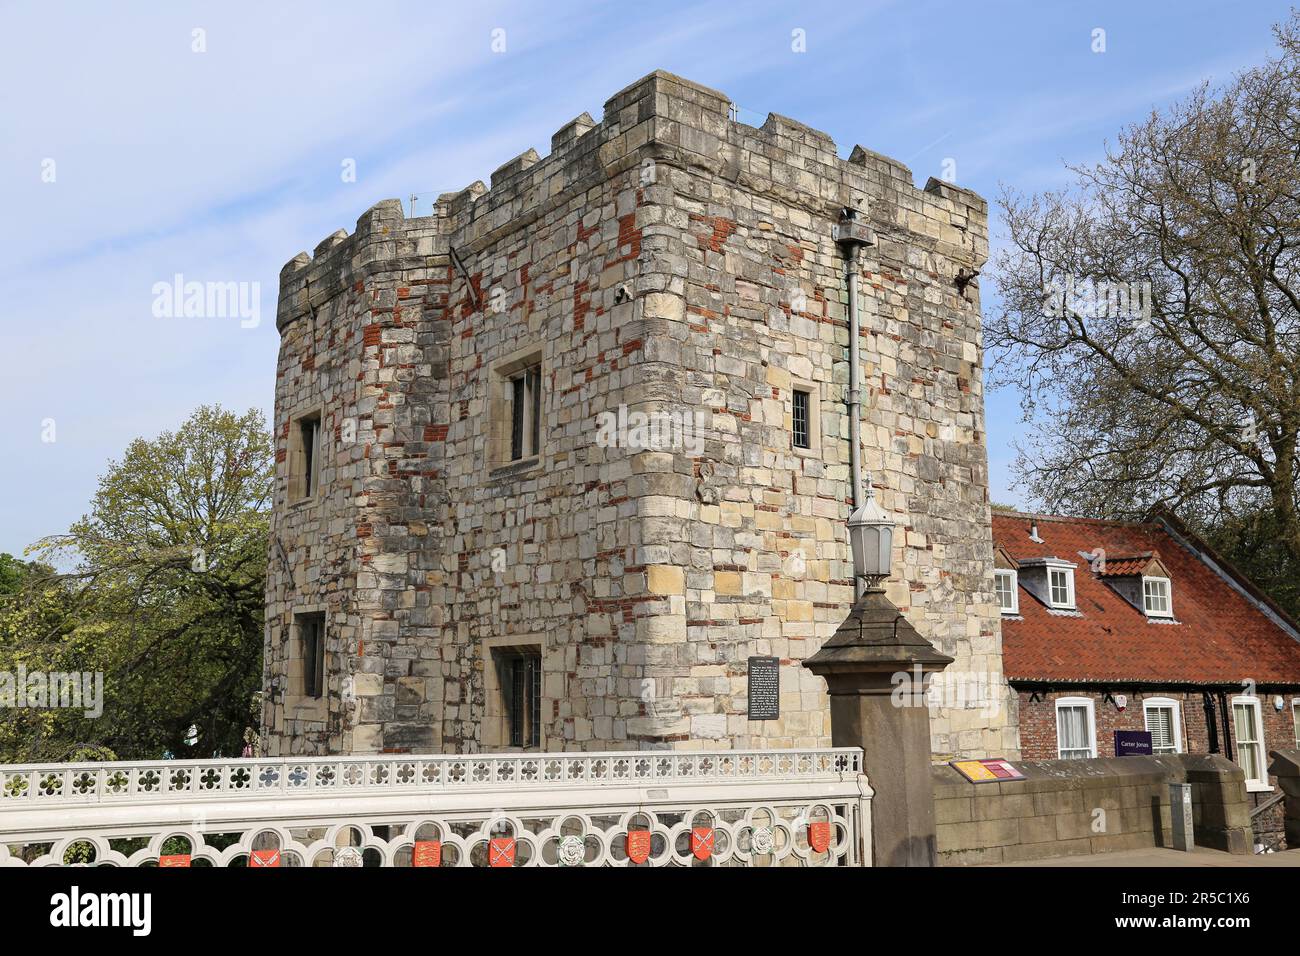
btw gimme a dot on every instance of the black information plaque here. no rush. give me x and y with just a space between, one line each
764 688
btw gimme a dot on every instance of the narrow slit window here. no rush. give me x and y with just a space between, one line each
525 397
802 419
305 476
311 636
524 690
517 390
534 387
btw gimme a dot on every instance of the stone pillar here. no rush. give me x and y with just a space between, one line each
888 719
1286 767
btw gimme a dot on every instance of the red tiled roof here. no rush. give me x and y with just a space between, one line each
1222 637
1118 567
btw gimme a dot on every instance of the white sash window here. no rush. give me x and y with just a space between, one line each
1076 728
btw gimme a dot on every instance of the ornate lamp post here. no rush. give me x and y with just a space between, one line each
871 539
871 656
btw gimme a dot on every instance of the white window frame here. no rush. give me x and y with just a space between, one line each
1090 705
1069 587
1169 597
1015 589
1176 719
1257 784
1295 719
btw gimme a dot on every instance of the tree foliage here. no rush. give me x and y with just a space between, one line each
1150 317
164 598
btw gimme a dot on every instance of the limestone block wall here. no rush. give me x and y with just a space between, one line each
423 550
360 347
663 260
759 308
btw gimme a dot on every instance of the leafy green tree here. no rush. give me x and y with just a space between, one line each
1150 317
12 574
165 599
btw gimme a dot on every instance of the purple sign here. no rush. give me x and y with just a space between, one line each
1132 743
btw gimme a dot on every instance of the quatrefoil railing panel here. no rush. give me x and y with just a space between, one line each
760 835
105 782
714 808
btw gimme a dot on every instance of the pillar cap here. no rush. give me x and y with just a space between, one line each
876 637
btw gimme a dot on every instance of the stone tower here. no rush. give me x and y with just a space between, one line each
458 492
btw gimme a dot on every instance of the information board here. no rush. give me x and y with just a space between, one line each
989 770
764 688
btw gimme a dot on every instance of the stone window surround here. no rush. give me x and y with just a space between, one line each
814 449
297 705
498 410
295 472
494 734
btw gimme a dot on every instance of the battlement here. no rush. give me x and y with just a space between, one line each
661 118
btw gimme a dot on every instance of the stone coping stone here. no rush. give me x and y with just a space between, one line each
1047 775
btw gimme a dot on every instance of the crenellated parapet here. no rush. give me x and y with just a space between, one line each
662 118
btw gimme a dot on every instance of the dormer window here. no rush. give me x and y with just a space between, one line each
1060 586
1050 580
1004 586
1140 579
1155 597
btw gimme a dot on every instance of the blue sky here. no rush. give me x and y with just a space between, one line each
222 165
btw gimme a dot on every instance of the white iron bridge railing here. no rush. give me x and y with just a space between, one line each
650 808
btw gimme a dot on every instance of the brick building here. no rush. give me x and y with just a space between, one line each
475 545
1139 626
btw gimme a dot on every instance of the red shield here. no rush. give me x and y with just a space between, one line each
501 851
174 859
702 842
819 835
264 858
427 853
638 845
